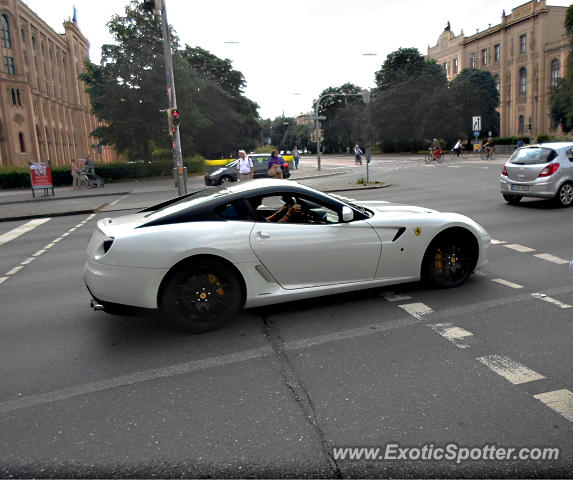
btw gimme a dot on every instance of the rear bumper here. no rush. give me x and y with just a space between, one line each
136 287
535 189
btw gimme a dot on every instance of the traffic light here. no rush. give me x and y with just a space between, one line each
175 117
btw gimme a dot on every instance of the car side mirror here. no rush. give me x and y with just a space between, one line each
347 214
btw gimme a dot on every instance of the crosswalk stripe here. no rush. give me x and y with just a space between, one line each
417 310
501 281
551 258
545 298
456 335
22 229
559 400
519 248
511 370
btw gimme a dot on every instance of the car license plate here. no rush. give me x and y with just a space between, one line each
520 188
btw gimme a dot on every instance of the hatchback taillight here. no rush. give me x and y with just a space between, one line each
549 170
504 171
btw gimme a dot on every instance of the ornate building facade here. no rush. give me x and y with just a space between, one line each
526 54
44 110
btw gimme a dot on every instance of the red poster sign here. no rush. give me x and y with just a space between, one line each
41 175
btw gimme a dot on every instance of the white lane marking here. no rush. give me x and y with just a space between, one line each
395 297
50 245
118 200
3 279
194 366
511 370
73 229
458 336
22 229
501 281
417 310
65 234
552 258
79 225
519 248
28 260
559 400
38 253
497 242
59 239
545 298
15 270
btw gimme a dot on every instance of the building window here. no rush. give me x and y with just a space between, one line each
13 96
523 43
9 65
484 56
18 98
5 29
522 80
473 60
445 67
22 144
497 81
496 53
521 124
456 67
555 72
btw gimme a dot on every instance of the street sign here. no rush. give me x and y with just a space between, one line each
476 123
476 133
317 117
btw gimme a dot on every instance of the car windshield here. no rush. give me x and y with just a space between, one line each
532 156
197 198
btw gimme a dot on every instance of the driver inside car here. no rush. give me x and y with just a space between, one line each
283 214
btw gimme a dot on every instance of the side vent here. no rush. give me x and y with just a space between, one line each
399 233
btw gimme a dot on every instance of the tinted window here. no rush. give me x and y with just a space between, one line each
569 154
237 210
532 156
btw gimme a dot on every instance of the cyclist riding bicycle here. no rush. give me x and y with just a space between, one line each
488 148
436 149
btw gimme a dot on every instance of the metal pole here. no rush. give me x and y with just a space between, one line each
170 78
317 133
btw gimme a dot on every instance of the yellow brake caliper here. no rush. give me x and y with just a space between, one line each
439 260
213 280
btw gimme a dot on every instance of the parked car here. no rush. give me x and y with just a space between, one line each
201 257
228 173
539 171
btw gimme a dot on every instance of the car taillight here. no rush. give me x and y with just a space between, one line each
549 170
504 171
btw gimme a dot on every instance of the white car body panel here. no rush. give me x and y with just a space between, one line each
277 261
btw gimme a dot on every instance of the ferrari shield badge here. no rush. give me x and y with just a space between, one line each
417 231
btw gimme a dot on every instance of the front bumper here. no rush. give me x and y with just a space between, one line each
132 286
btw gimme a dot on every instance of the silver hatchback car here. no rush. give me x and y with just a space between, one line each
540 171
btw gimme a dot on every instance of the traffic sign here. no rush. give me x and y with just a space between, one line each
317 117
476 133
476 123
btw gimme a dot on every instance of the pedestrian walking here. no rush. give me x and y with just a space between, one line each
275 165
357 155
244 167
75 171
296 155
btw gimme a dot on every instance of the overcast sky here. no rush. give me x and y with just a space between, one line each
291 50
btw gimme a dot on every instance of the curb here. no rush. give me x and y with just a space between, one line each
51 199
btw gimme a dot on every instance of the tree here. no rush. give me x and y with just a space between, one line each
473 93
408 105
561 96
127 91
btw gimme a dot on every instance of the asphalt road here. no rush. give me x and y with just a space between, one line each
86 394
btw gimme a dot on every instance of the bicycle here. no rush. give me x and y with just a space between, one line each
453 155
487 153
430 157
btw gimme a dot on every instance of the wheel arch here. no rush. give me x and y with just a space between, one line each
453 230
204 257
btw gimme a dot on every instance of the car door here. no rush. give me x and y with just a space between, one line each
260 165
303 255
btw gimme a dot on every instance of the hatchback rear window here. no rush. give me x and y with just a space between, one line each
532 156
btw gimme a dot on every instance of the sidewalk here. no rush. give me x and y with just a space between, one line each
20 205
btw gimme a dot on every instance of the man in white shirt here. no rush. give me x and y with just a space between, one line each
244 167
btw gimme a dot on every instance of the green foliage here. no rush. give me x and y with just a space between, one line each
127 91
265 149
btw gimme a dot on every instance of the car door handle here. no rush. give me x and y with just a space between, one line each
263 235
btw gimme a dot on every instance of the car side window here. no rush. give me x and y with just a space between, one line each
569 154
237 210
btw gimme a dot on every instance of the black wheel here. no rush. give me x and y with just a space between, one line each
440 158
512 199
225 179
200 296
428 158
564 197
450 259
